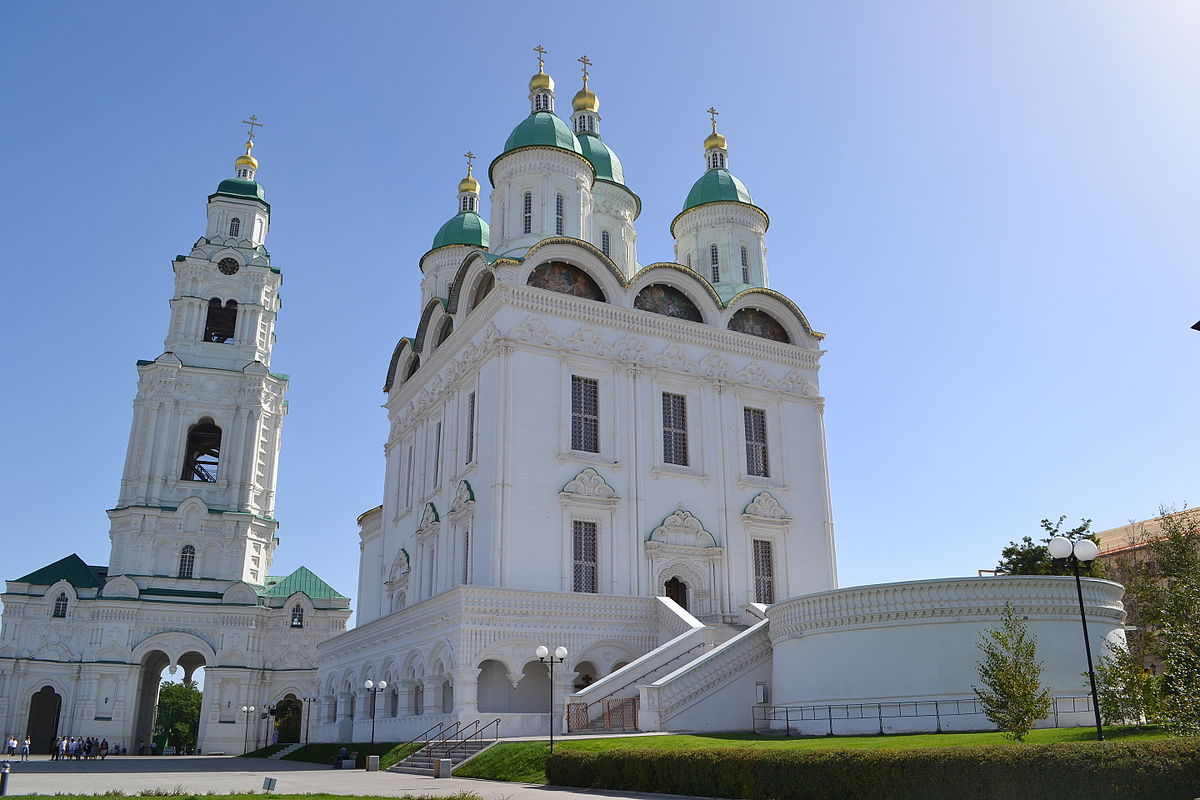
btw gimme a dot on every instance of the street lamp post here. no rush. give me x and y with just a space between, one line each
268 711
247 710
560 655
375 691
308 701
1076 552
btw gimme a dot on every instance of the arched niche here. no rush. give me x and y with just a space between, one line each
662 298
564 278
483 287
757 322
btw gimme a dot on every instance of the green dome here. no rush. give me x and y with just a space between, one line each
602 158
236 187
465 228
542 129
717 186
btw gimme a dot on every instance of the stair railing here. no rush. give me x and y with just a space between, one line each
477 735
421 736
446 734
586 712
465 732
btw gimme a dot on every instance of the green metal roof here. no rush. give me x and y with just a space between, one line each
545 129
716 186
465 228
72 569
302 580
603 159
236 187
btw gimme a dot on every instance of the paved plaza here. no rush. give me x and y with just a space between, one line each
226 774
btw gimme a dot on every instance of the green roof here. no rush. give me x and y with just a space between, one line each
544 129
72 569
302 580
465 228
236 187
717 186
603 159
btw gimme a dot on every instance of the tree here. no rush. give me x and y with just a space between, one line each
179 713
1012 694
1128 692
1027 558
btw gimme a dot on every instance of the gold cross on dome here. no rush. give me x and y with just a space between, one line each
541 51
470 157
586 63
253 123
712 112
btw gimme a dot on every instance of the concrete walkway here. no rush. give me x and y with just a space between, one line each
226 774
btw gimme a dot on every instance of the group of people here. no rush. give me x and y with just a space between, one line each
78 747
13 746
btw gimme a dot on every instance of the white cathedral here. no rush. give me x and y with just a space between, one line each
627 462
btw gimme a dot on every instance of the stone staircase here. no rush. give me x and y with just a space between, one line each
291 748
421 762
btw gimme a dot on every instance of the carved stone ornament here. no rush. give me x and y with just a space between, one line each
464 499
120 586
240 594
590 483
429 519
683 528
765 505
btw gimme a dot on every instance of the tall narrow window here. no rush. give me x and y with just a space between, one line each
465 203
466 554
558 214
437 456
689 259
187 561
675 443
527 213
297 616
714 260
235 226
745 266
756 442
764 572
221 321
60 605
202 453
583 556
605 243
408 480
470 428
585 414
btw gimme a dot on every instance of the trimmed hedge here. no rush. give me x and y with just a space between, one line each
1164 769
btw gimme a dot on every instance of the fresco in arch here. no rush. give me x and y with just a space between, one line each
662 299
565 279
757 322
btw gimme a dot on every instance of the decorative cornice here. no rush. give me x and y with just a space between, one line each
591 484
682 528
765 506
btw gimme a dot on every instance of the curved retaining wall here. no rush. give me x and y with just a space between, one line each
918 640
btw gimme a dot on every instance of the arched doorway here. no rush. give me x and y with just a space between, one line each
170 719
677 590
287 720
44 708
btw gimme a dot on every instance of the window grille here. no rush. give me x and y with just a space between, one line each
297 616
465 204
764 572
585 414
187 561
558 214
605 243
756 442
470 428
584 556
527 212
408 480
689 259
466 562
745 266
60 605
675 444
235 226
715 260
437 456
541 101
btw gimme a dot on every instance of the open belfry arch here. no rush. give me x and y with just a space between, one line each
193 533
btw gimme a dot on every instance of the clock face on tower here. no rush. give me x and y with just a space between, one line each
228 266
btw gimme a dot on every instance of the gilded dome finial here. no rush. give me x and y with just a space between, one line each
585 99
714 139
541 80
469 185
246 164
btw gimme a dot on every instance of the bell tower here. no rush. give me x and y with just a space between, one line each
197 497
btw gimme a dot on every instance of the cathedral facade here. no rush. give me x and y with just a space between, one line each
193 532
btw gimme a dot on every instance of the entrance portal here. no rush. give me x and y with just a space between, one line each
44 708
677 591
287 720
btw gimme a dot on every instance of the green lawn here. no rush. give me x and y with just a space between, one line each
525 762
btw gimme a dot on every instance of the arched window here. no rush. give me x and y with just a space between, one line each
558 215
203 452
541 102
60 605
715 260
187 561
716 161
413 366
297 616
445 331
465 204
527 213
235 226
745 266
221 321
605 243
483 288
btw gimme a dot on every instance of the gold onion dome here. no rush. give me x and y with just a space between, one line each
541 81
247 160
468 184
714 139
585 99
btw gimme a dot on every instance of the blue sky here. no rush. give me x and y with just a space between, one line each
989 208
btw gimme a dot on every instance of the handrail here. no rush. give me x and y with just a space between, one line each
477 735
421 735
446 733
640 677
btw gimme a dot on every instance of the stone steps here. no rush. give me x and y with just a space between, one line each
291 748
422 761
